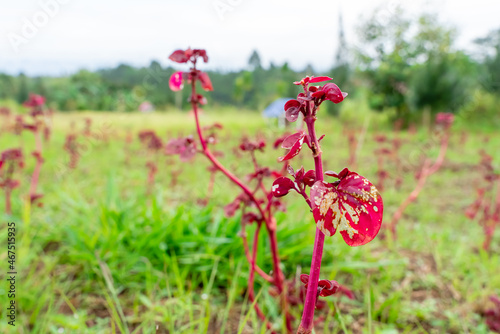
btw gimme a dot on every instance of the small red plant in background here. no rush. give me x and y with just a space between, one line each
36 104
382 154
255 201
387 151
87 131
72 147
486 207
444 122
493 315
154 145
352 136
351 204
10 161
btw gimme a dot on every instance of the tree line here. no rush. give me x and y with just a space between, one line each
403 64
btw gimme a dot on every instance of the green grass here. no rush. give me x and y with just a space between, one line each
103 256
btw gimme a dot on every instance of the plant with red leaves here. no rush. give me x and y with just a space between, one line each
493 315
487 205
10 161
72 147
153 145
36 104
381 153
387 150
353 140
129 138
87 132
351 204
444 121
255 202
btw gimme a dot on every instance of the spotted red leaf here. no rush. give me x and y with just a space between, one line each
351 205
281 186
294 144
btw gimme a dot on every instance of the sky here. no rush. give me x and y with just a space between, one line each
59 37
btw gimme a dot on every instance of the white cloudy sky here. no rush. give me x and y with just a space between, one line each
98 33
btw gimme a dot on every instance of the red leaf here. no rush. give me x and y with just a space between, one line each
34 100
333 93
351 205
294 144
310 178
346 292
281 186
201 53
176 81
179 56
206 84
292 109
231 208
249 218
328 287
289 141
319 79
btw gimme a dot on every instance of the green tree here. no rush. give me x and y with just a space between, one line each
254 61
22 90
490 45
410 64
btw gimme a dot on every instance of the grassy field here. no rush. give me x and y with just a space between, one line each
104 256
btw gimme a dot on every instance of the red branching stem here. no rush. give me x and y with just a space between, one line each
269 221
254 160
249 257
252 265
442 153
307 321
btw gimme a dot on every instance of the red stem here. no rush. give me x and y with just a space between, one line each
307 322
253 262
249 257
